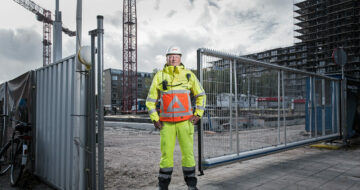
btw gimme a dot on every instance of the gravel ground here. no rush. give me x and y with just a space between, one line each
132 156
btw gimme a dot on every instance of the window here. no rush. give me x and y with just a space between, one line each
114 77
273 53
273 59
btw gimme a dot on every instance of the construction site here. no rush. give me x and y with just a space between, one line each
283 118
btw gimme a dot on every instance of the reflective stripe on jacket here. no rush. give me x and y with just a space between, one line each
175 106
179 80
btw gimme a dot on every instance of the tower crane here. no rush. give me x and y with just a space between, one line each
44 15
130 80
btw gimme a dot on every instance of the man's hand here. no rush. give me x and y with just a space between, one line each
194 119
157 124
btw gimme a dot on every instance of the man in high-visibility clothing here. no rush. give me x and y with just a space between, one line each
172 87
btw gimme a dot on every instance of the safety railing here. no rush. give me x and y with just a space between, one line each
255 108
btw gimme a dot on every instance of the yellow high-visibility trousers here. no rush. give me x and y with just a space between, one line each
184 131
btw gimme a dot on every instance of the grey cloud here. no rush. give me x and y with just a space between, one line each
171 13
157 5
186 41
20 51
205 18
212 3
249 16
69 47
264 31
21 45
190 6
115 19
145 22
114 49
158 45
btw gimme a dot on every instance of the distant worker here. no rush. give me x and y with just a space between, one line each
172 87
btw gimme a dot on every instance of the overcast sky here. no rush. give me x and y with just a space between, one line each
237 26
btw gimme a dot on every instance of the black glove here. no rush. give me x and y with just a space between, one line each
194 119
157 124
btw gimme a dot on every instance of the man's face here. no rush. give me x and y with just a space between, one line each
173 60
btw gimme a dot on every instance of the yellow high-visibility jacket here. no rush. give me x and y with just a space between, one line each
178 78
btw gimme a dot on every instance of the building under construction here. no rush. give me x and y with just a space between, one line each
321 26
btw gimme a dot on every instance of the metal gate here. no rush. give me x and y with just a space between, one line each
256 108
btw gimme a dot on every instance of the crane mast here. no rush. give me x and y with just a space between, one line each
130 86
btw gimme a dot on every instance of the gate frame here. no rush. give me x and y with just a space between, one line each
203 164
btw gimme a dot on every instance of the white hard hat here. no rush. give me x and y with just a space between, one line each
174 50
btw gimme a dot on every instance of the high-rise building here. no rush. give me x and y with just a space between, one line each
320 27
324 25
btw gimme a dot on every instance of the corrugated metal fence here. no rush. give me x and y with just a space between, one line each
59 120
61 105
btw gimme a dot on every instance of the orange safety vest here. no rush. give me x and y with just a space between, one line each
175 106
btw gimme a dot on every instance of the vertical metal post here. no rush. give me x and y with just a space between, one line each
100 59
278 123
230 106
88 172
248 96
337 107
343 110
283 104
33 118
57 33
315 109
5 112
78 26
91 127
333 107
200 125
323 105
236 110
310 106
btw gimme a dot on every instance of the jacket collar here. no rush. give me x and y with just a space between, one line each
173 69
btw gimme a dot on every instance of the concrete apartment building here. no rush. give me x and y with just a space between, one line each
113 86
321 26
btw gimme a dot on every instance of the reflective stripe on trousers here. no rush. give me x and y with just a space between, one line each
189 171
165 173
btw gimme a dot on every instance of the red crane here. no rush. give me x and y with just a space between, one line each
129 86
44 16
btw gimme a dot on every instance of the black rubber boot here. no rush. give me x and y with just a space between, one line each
164 183
164 178
191 183
189 177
